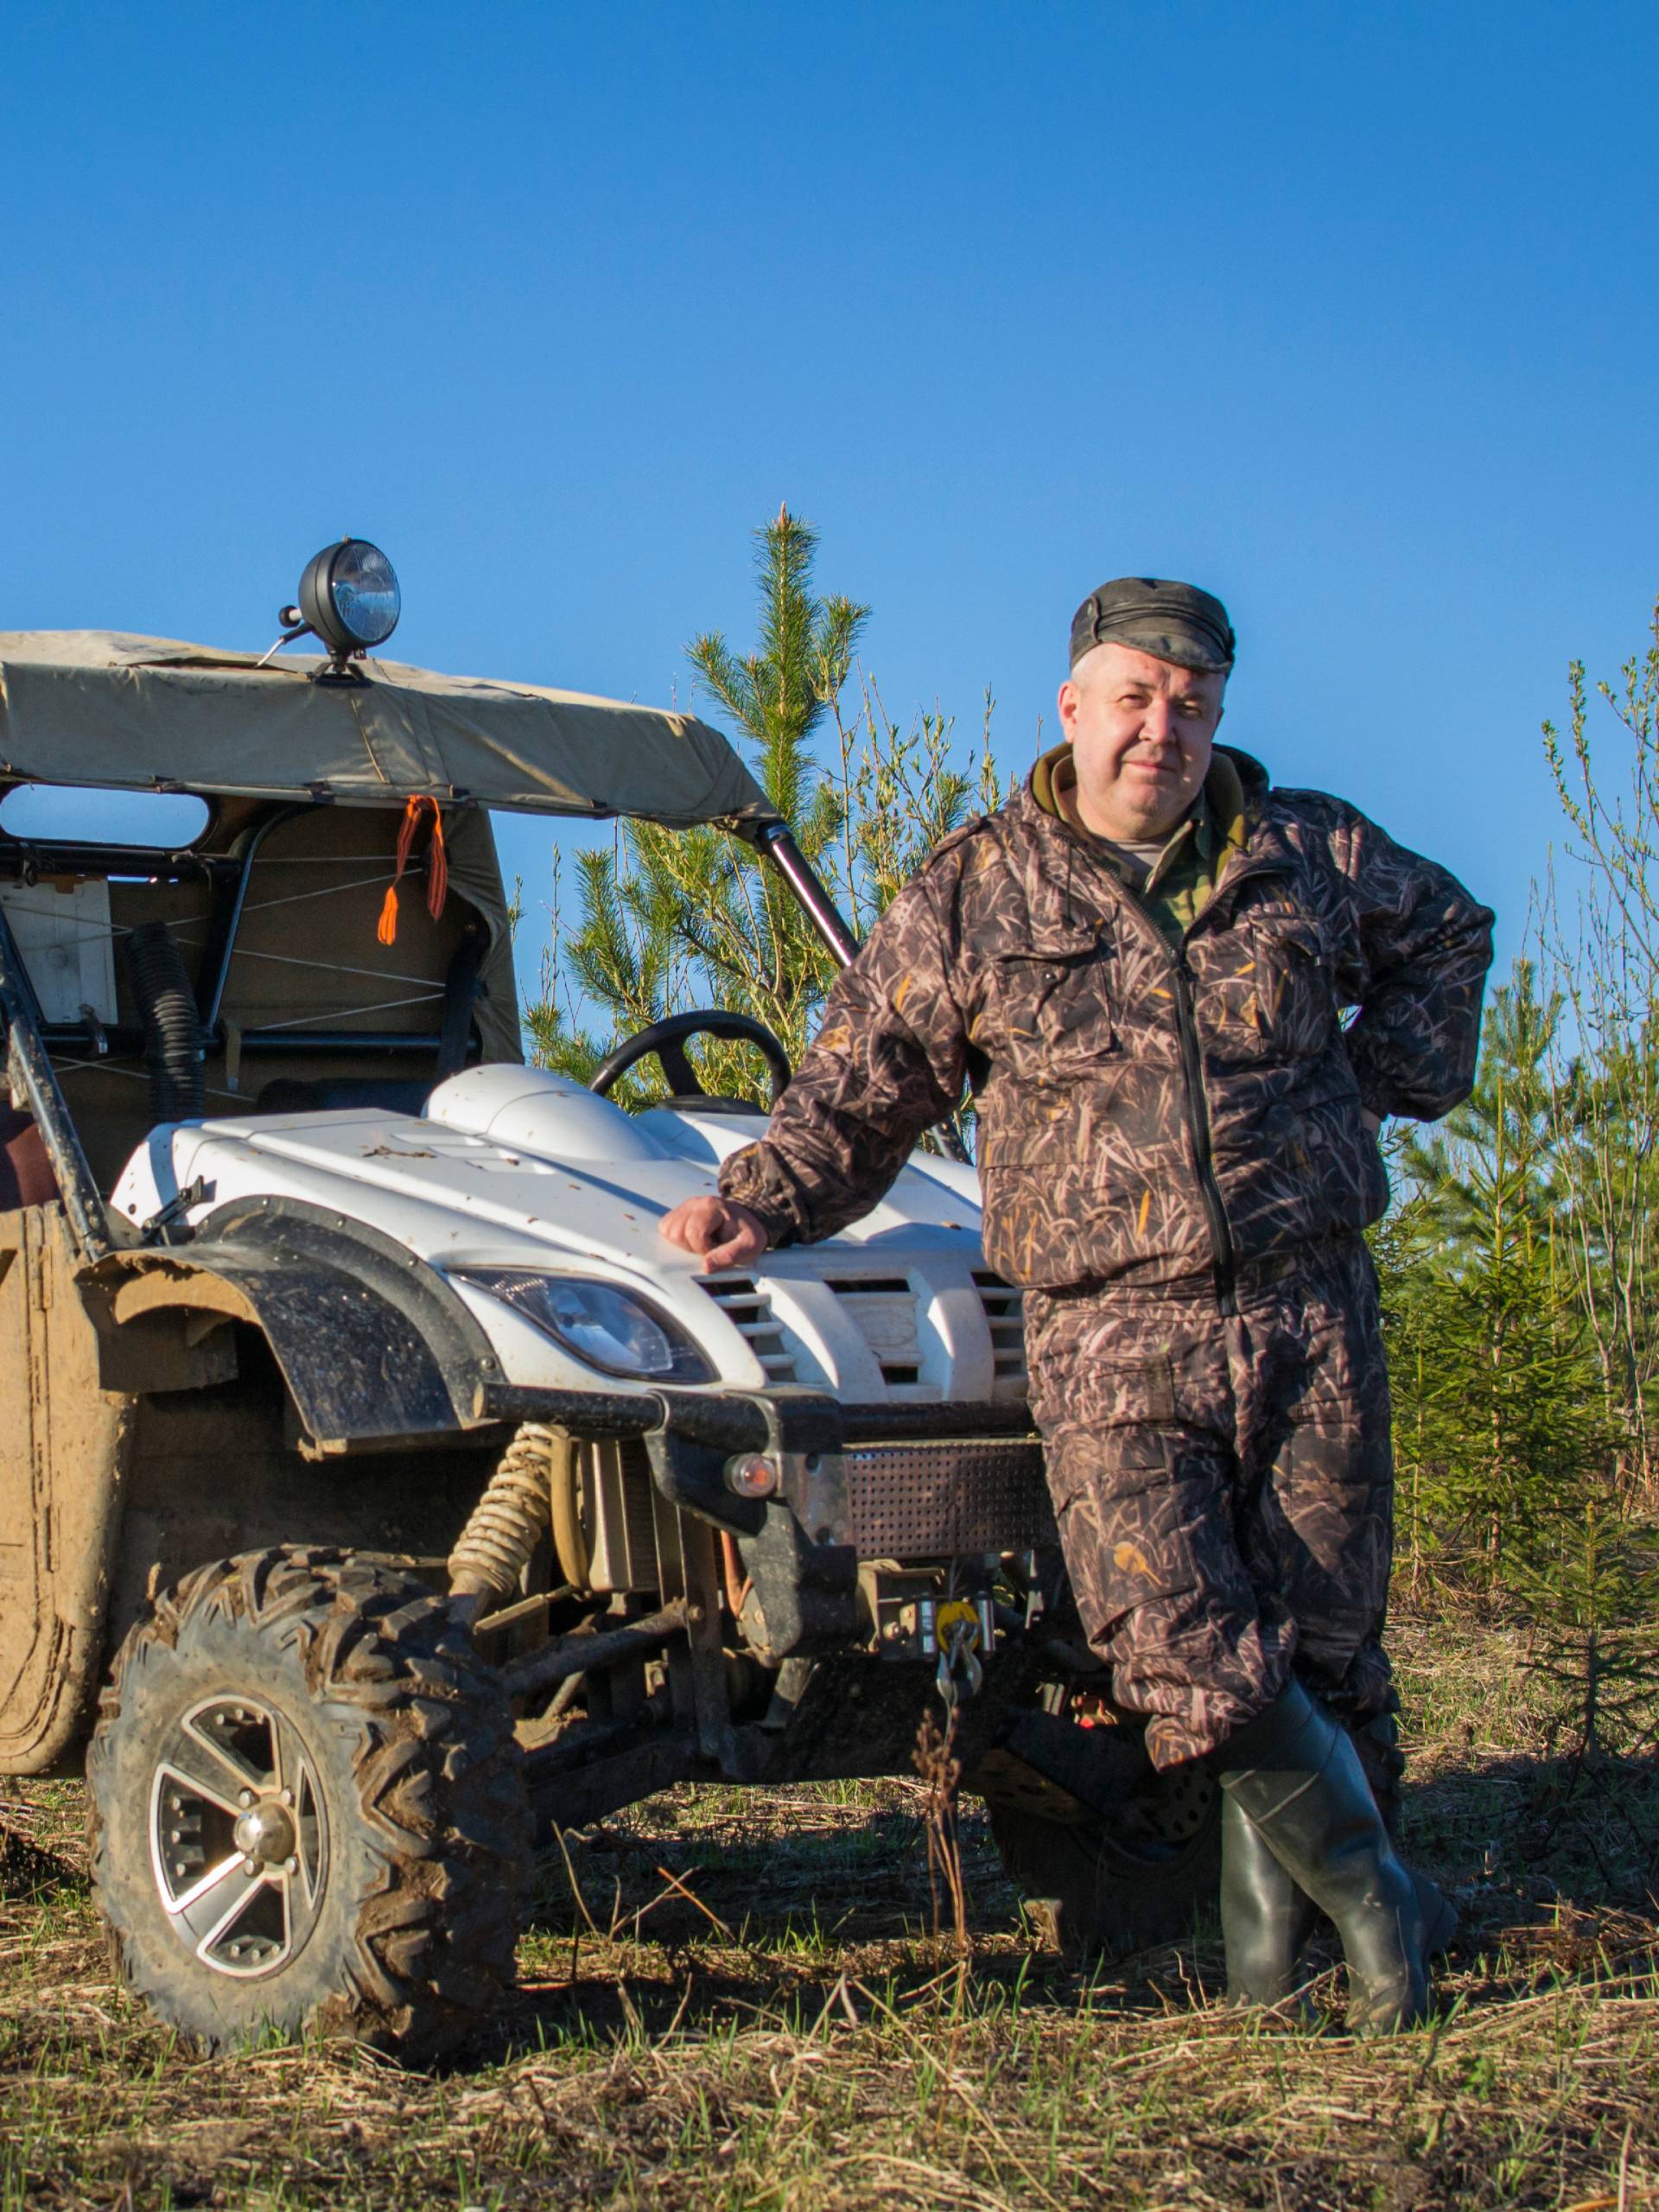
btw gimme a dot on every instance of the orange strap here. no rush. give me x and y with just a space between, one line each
437 868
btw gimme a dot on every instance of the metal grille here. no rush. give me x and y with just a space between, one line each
914 1501
745 1303
1005 1317
884 1309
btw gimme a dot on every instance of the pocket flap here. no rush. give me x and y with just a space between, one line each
1289 926
1051 941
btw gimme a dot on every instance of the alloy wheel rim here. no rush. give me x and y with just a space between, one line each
238 1837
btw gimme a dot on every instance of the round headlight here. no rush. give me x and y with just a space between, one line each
349 596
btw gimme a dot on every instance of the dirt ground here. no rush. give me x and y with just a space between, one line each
733 2000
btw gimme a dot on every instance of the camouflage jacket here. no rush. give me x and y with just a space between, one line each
1145 1112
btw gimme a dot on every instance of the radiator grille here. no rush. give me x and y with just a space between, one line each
884 1308
1005 1317
743 1300
915 1501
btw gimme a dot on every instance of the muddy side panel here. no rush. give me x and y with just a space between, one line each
64 1446
19 1579
218 1471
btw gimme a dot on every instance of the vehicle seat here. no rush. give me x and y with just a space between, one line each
286 1095
26 1176
713 1102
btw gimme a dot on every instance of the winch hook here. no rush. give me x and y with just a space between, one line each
960 1675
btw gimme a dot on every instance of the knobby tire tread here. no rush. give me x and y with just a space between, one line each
437 1777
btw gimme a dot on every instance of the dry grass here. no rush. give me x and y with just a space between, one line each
748 2009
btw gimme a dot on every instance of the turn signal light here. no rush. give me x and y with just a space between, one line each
752 1474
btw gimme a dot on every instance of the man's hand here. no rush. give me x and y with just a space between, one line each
726 1235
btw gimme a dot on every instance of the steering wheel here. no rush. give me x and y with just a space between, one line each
667 1039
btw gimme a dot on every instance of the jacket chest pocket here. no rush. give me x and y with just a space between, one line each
1292 1005
1053 1009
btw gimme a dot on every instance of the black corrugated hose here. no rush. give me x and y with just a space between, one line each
167 1006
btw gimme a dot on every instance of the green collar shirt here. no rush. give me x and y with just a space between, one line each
1180 882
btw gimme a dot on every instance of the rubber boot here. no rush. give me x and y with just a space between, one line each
1267 1921
1294 1776
1376 1738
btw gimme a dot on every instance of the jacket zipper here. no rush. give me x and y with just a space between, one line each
1197 1120
1225 1265
1221 1232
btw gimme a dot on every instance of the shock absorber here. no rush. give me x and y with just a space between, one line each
511 1518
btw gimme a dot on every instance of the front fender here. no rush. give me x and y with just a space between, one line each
374 1346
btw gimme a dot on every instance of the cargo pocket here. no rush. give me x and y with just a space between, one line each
1328 1518
1294 1004
1071 1388
1124 1523
1054 1005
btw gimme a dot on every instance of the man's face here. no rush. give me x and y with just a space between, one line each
1141 734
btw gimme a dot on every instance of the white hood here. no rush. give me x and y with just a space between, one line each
518 1168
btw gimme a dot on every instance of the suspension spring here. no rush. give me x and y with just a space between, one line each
512 1515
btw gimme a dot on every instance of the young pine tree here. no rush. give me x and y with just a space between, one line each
1501 1430
675 919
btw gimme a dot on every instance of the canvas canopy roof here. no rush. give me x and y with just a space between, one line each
101 708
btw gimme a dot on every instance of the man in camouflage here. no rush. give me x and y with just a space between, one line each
1141 965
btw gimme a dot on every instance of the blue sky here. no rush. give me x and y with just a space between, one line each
1347 313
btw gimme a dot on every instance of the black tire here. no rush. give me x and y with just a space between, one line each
383 1890
1136 1864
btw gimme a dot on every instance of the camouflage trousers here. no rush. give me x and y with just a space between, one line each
1224 1489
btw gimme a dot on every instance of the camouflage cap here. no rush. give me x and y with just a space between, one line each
1173 621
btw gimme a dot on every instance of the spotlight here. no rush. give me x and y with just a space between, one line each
349 598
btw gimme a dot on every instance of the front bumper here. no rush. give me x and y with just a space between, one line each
885 1480
744 1419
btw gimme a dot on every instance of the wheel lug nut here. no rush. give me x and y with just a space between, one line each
245 1798
249 1865
290 1866
288 1796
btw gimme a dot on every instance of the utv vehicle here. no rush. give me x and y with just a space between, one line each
380 1493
